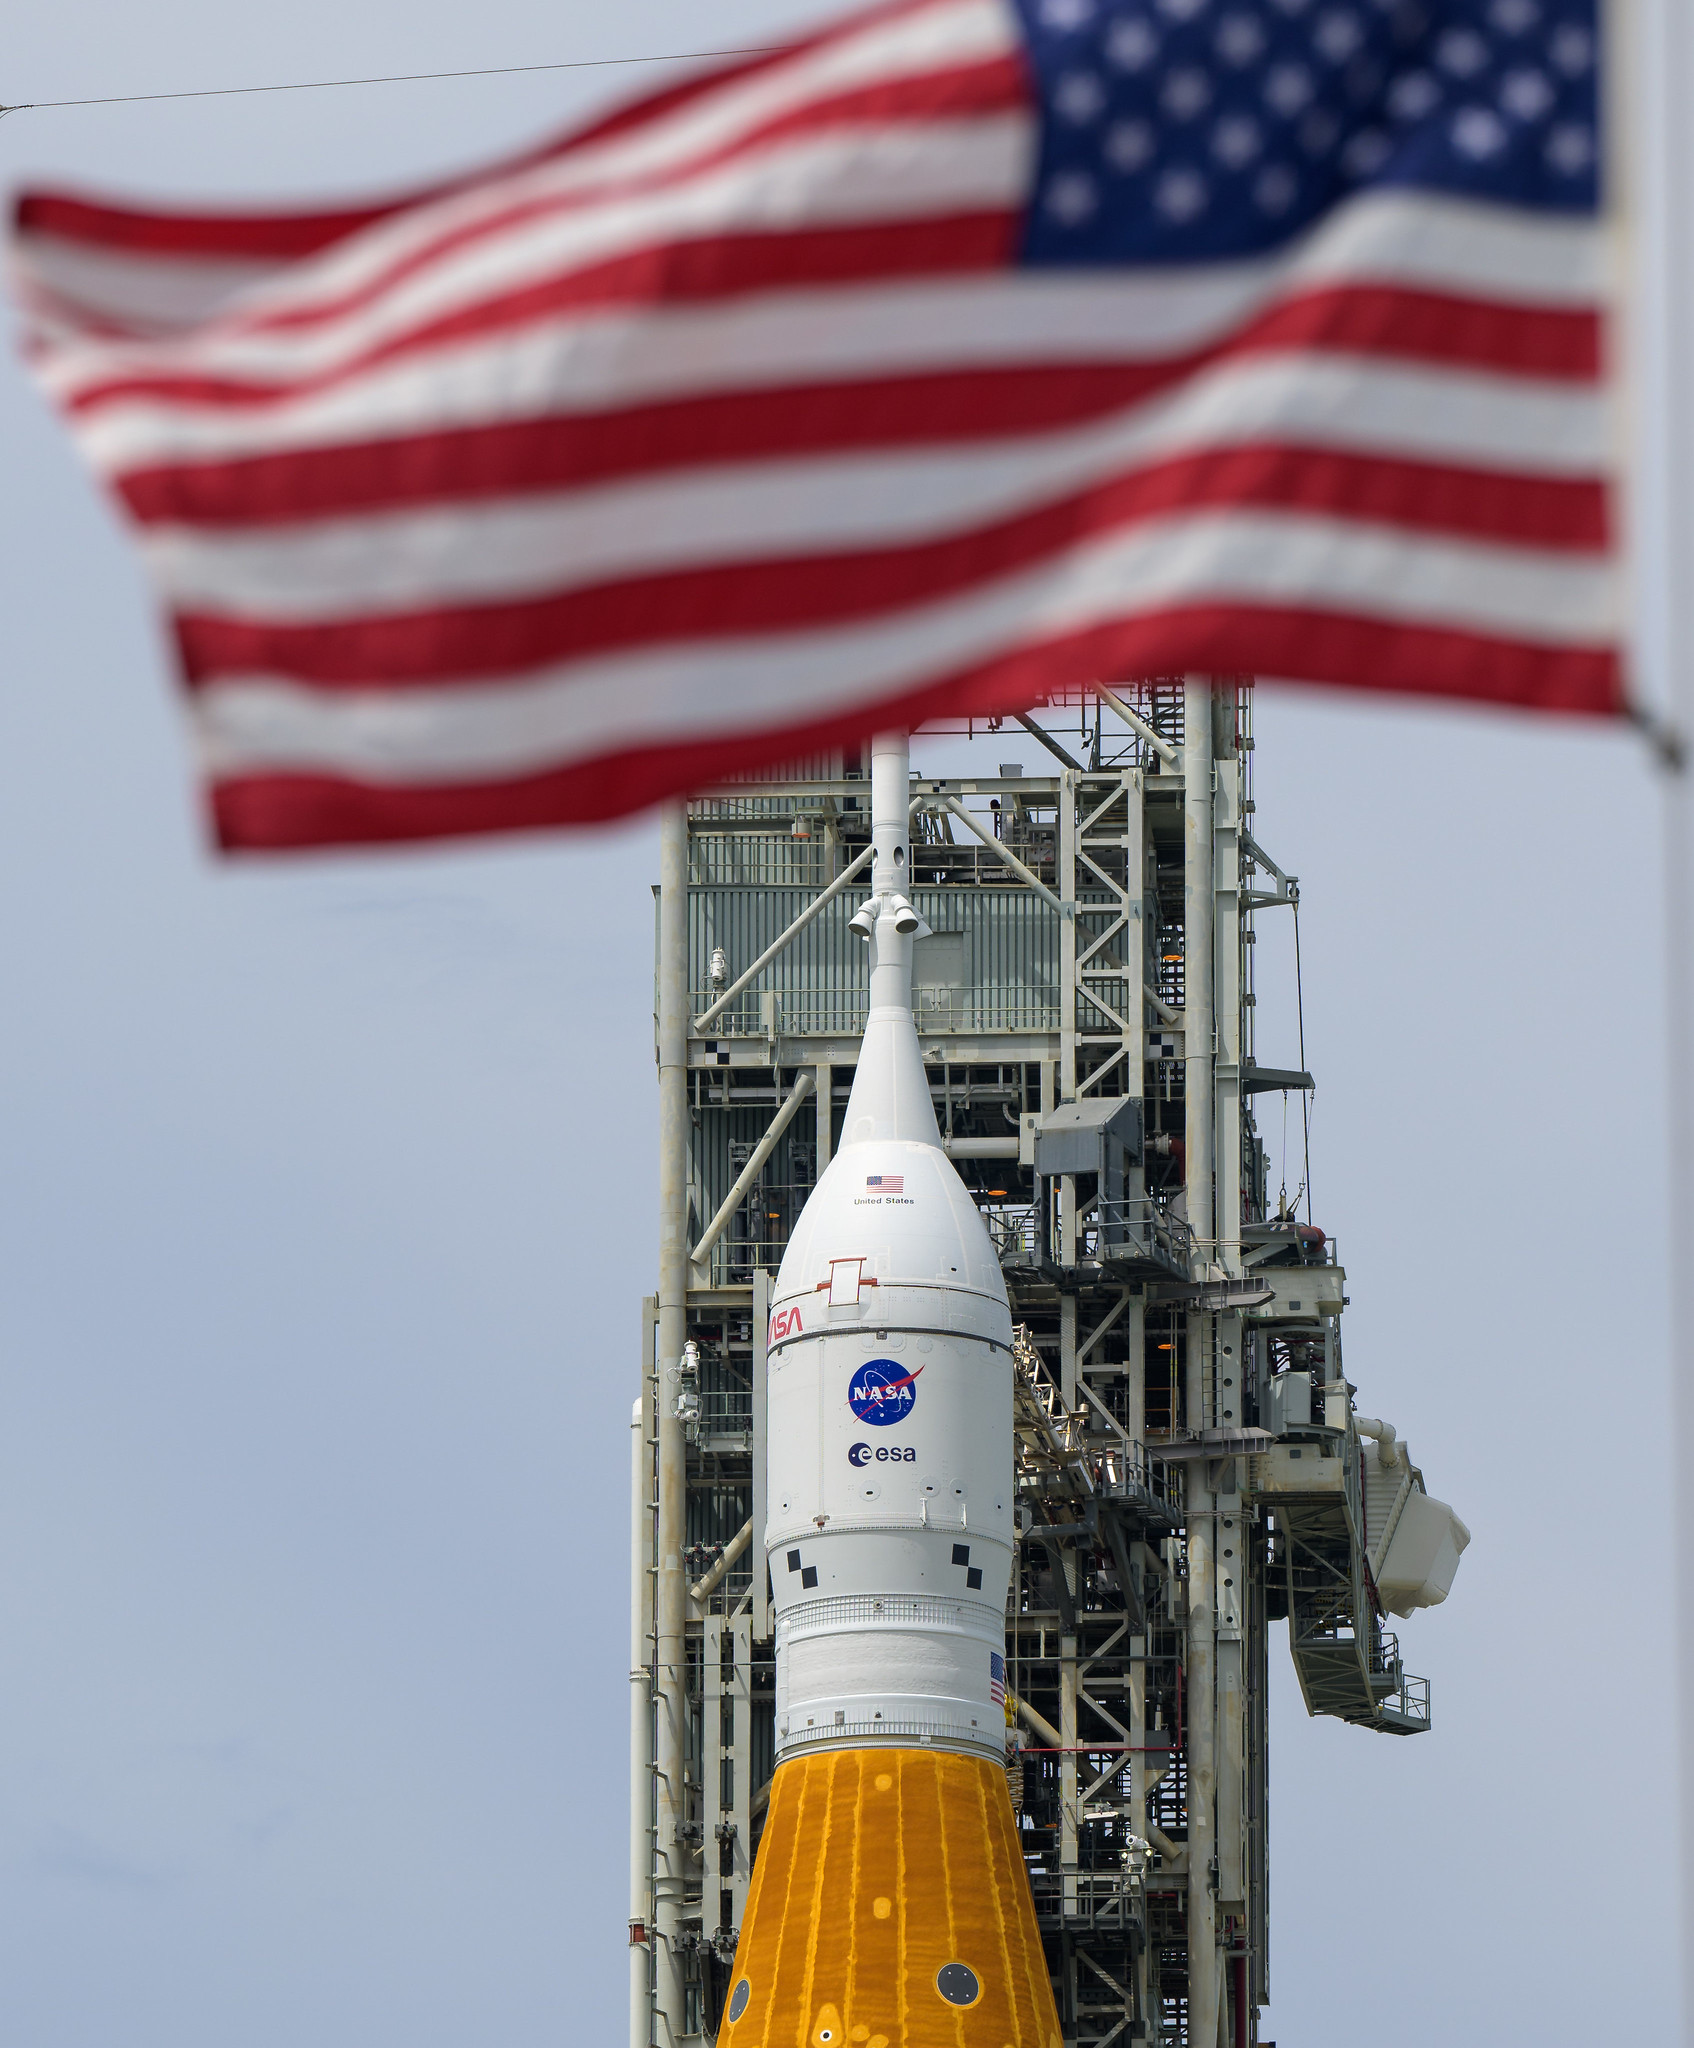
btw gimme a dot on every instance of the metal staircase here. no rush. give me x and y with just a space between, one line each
1346 1665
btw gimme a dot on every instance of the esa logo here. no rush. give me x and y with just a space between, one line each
881 1394
884 1454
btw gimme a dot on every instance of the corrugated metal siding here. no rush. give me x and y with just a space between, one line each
1010 945
756 1235
757 859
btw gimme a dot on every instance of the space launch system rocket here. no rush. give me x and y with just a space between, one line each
889 1905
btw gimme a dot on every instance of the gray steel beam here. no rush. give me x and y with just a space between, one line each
751 1171
673 1862
1139 726
1002 852
1198 1026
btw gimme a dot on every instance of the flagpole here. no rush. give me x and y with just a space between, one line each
1663 66
1679 1032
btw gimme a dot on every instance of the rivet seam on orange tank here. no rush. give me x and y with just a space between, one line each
902 1917
820 1873
988 1832
992 1831
855 1889
800 1924
1033 1960
942 1791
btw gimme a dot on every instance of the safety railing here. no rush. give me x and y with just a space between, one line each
841 1013
1097 1898
726 1411
1139 1228
1127 1473
1016 1234
1402 1696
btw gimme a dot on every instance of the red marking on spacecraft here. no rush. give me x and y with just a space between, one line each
785 1323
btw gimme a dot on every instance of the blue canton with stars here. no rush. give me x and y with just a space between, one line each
1182 131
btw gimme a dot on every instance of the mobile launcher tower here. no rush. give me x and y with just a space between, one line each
992 1409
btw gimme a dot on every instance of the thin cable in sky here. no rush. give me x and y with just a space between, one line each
215 92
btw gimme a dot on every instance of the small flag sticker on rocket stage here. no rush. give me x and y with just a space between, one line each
886 1183
997 1678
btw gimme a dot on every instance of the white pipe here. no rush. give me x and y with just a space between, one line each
1199 1024
891 812
1005 853
1161 1009
1139 726
1174 1853
890 1094
1392 1453
1036 1723
640 1709
672 1865
754 1167
980 1148
705 1586
1199 885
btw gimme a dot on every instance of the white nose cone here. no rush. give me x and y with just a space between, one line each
890 1434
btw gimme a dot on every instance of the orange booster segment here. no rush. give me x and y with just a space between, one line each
889 1909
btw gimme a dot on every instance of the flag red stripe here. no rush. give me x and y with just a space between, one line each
93 224
770 594
514 457
278 811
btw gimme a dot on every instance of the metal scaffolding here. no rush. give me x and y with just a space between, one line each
1188 1465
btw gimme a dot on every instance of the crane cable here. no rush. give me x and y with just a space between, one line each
213 92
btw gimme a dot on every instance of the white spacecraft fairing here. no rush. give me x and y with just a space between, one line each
889 1906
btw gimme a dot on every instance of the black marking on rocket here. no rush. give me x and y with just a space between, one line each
973 1576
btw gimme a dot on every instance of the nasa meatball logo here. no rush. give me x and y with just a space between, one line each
880 1393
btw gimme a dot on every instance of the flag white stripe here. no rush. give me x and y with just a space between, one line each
529 546
155 295
259 724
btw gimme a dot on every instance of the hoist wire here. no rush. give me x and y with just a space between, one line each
215 92
1305 1093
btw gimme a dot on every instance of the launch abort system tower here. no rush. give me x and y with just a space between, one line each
1188 1468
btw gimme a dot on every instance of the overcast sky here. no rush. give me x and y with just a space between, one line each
327 1203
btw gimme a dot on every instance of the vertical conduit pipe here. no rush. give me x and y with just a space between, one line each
670 1802
640 1725
1198 1024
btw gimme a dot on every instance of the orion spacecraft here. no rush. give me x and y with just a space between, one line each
889 1906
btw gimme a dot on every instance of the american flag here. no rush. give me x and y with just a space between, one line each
966 352
997 1678
886 1183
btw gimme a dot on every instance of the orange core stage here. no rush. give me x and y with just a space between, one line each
889 1909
